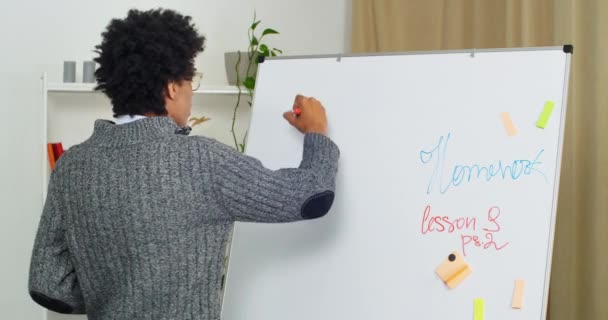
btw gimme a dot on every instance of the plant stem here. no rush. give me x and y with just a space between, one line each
238 99
251 52
244 139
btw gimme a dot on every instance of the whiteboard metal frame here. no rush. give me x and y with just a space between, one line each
558 168
405 53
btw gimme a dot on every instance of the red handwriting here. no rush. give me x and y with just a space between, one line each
493 219
445 224
467 240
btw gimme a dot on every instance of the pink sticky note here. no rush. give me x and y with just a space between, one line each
518 294
507 122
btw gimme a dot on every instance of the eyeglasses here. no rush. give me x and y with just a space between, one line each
196 81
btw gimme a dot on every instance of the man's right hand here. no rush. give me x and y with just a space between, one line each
311 118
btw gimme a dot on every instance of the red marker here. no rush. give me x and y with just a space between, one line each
297 111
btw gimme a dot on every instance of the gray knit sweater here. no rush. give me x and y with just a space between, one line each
137 219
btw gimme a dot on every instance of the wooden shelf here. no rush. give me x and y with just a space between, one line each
89 88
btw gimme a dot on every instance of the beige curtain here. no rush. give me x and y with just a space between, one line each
579 279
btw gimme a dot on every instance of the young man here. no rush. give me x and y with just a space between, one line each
137 217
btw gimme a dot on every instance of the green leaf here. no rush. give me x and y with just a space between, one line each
264 50
255 24
264 53
249 83
254 41
277 50
273 54
269 31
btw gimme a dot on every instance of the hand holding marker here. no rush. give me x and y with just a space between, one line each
307 115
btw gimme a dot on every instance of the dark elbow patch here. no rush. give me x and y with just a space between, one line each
51 304
317 205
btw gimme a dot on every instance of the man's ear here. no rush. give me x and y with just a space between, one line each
171 90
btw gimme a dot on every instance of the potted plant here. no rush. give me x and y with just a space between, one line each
241 69
245 70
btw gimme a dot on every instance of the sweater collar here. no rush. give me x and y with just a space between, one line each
106 132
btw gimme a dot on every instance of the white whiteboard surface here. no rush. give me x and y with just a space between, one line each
404 124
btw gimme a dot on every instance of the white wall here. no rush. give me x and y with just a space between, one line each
37 36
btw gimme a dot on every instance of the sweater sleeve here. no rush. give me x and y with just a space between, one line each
53 283
251 192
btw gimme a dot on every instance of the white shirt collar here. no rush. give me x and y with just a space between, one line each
128 118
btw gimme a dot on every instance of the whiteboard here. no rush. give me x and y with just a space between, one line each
427 164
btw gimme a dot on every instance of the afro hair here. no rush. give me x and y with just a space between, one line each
141 54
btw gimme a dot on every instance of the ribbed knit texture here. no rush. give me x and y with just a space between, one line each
137 218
